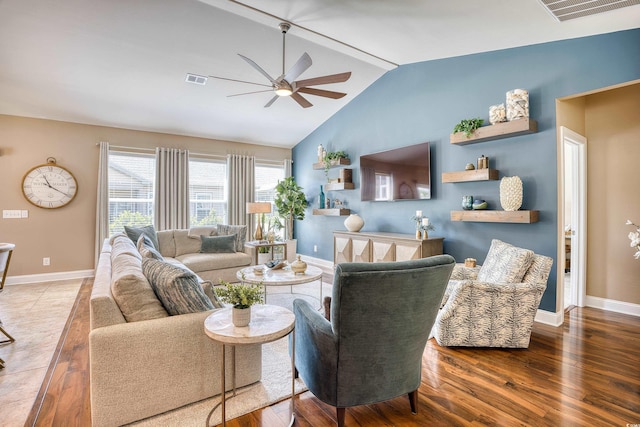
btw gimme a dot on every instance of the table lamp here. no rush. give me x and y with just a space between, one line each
258 208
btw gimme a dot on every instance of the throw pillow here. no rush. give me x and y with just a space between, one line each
505 263
177 289
209 291
146 249
239 230
135 232
218 244
207 230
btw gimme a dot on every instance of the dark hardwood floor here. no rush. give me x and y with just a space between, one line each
585 373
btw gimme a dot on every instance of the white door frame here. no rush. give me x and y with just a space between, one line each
574 145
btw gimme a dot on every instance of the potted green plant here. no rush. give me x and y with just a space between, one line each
468 126
290 203
329 158
242 297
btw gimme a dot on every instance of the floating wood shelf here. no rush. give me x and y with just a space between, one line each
336 186
497 131
472 175
519 217
332 212
334 163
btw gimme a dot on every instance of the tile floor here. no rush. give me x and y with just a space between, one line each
35 315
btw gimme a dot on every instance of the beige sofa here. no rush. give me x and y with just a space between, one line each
143 368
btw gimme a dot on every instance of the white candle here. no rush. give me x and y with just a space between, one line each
425 221
418 214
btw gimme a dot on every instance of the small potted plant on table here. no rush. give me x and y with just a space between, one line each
242 297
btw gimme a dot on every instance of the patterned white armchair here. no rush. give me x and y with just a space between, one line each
493 305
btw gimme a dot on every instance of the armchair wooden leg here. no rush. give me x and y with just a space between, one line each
340 413
413 401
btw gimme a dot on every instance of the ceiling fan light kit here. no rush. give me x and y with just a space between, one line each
286 84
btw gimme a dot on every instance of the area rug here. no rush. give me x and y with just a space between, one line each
274 387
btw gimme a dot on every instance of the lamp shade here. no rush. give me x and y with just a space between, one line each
258 207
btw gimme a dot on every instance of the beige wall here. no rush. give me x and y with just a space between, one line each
66 235
612 123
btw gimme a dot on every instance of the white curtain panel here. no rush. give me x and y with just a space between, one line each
102 203
287 168
241 179
171 201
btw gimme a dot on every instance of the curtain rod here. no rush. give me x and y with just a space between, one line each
213 156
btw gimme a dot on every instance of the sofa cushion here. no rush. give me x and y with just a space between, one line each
218 244
184 243
167 243
209 291
177 288
205 262
205 230
239 230
505 263
135 232
131 290
146 249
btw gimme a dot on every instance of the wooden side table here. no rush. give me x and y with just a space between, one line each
268 323
263 244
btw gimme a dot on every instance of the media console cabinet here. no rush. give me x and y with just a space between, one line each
378 247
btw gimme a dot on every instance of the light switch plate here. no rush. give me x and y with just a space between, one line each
10 214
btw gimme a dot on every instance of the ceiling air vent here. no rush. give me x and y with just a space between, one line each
196 79
563 10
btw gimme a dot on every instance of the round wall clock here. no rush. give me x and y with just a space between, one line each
49 186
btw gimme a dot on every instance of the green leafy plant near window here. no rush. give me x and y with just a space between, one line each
330 156
290 202
238 295
468 126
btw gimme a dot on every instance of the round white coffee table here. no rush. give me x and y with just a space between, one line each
268 323
281 277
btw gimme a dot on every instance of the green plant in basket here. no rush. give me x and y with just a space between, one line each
468 126
239 295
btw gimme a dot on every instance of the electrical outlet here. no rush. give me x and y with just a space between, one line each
46 261
315 248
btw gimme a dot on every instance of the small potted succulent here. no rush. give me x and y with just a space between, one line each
242 297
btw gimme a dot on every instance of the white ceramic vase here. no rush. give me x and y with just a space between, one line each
241 316
511 193
354 222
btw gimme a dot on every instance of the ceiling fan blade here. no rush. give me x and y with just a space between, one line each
298 68
333 78
239 81
268 104
257 67
320 92
249 93
300 100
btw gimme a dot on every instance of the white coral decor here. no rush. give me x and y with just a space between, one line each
634 236
511 193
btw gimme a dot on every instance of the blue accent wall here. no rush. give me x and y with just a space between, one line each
423 102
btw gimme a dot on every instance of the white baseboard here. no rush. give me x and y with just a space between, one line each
550 318
613 305
322 264
49 277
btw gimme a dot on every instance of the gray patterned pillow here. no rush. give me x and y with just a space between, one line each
135 232
146 249
505 263
178 289
239 230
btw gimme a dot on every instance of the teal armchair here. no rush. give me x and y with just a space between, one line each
371 350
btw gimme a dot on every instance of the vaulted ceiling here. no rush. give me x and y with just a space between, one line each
123 64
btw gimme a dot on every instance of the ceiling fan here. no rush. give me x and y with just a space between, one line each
287 85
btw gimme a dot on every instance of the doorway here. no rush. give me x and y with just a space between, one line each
574 211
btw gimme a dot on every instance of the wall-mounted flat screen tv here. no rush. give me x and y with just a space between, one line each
399 174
